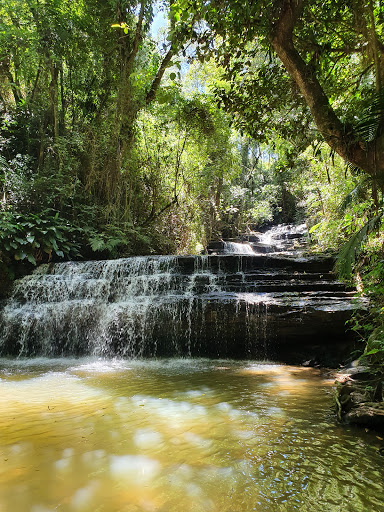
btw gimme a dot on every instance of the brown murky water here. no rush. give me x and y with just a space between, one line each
178 435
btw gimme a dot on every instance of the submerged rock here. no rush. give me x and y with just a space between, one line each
369 414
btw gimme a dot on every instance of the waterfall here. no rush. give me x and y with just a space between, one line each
229 305
237 248
98 307
283 237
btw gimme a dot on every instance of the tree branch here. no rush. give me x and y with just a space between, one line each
136 39
159 75
151 95
334 132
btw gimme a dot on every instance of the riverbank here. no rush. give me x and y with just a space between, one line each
359 398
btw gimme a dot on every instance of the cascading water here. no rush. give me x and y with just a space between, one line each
285 238
98 307
232 305
279 234
171 434
236 248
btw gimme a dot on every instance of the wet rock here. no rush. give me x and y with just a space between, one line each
359 399
369 414
278 306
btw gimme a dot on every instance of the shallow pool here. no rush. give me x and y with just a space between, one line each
88 435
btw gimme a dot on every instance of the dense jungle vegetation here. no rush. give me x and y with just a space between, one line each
120 138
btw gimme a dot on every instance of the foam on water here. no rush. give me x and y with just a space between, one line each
163 305
238 248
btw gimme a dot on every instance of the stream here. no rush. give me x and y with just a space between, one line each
170 435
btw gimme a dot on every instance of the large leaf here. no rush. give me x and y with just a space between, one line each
352 248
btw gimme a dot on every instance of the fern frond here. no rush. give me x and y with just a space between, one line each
352 168
3 163
369 125
352 196
112 243
97 244
350 251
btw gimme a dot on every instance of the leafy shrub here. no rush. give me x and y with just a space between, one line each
37 238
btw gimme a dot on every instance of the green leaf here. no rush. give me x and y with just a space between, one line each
97 244
371 352
31 259
172 76
313 228
20 255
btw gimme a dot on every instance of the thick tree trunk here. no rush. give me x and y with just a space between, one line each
367 156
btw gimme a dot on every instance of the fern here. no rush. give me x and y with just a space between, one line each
97 244
107 242
352 196
3 163
112 243
369 126
350 251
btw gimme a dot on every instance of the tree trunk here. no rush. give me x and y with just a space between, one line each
6 72
367 156
53 99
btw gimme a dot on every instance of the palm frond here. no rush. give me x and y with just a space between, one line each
349 252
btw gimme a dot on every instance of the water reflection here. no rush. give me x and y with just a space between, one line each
194 435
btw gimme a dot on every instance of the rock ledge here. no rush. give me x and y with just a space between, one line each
359 398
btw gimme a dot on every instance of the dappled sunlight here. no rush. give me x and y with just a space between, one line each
172 435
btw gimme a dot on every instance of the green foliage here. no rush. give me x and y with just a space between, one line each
354 246
369 126
113 241
291 64
37 238
355 196
374 352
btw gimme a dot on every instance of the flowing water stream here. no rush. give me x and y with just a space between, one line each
242 305
110 432
193 435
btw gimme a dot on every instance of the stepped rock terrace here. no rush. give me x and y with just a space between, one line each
265 306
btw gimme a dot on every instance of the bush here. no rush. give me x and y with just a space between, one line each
37 238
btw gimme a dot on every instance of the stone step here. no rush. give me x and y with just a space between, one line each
224 325
297 286
273 275
245 263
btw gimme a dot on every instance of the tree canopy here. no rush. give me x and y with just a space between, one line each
295 57
134 143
